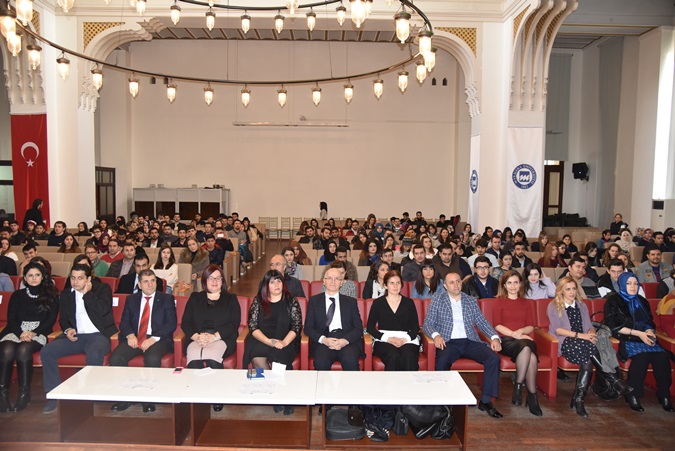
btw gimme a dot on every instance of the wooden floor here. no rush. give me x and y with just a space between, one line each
611 424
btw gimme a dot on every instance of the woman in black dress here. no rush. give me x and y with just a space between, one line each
274 323
31 315
394 325
211 323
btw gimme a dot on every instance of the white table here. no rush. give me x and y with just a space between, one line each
190 394
397 388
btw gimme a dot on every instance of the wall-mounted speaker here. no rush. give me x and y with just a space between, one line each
580 171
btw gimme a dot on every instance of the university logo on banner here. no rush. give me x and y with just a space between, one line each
524 176
29 163
473 181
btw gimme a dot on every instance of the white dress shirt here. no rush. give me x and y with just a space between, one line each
84 324
336 323
140 314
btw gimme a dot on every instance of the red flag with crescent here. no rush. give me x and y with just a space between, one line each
29 163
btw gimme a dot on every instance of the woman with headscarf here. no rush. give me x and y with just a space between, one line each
625 241
328 256
301 257
629 317
378 232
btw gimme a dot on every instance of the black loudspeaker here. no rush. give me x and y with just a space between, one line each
580 171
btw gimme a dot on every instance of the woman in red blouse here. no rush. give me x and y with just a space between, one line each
513 317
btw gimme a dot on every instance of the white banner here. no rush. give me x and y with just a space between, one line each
474 181
525 166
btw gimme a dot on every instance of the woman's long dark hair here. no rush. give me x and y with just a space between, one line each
48 294
433 283
264 289
172 258
375 268
526 276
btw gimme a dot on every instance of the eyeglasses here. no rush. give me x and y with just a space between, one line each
332 279
482 268
214 279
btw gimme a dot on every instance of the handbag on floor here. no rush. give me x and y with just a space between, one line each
338 427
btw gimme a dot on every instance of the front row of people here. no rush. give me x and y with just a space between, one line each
333 324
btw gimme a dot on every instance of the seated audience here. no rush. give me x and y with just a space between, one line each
370 253
375 286
348 287
216 254
428 282
448 260
123 266
301 257
551 257
211 323
618 225
505 261
329 254
292 268
520 260
625 241
99 267
146 329
394 325
611 252
31 315
653 270
481 248
69 245
196 256
6 249
414 268
114 252
293 285
540 244
629 317
536 285
275 325
666 286
128 283
513 318
481 285
166 268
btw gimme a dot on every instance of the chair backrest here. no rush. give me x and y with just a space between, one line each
635 253
303 308
318 272
60 268
118 306
244 305
111 281
653 304
406 289
60 283
650 289
540 315
597 309
315 287
668 257
52 257
4 303
305 287
17 281
181 301
362 272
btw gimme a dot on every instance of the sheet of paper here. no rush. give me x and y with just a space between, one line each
429 378
140 384
256 387
204 371
116 301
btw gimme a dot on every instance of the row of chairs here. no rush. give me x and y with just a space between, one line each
547 345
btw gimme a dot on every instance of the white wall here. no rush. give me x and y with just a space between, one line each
398 153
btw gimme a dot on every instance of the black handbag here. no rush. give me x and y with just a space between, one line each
436 421
338 427
401 425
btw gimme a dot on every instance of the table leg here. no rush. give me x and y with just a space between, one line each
71 416
201 414
181 422
461 416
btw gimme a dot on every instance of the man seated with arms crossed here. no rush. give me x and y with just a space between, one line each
293 285
87 322
114 252
121 267
147 326
653 270
451 322
481 285
446 260
334 327
128 283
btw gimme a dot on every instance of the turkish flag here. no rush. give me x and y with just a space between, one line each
29 163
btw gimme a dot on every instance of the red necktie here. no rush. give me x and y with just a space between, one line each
145 320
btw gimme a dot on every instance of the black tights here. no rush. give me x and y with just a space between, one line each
20 352
205 363
526 369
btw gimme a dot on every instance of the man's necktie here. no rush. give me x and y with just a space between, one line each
145 320
331 312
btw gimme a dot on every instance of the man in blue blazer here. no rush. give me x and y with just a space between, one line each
451 322
334 327
152 338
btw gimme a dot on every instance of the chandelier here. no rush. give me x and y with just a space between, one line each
14 21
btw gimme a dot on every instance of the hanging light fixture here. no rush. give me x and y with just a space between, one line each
421 71
358 10
292 6
424 41
140 7
403 80
430 59
378 87
14 43
210 19
279 22
63 66
97 77
349 92
245 22
134 84
211 3
175 12
208 94
7 22
24 11
316 94
66 5
245 96
311 19
171 91
282 96
132 3
341 14
34 55
389 2
402 20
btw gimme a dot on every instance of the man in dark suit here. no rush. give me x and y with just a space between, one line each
520 260
451 322
147 333
87 322
129 282
334 327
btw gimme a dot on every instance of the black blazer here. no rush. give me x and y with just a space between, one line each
294 286
516 262
7 265
315 324
127 283
617 315
163 320
97 303
223 317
